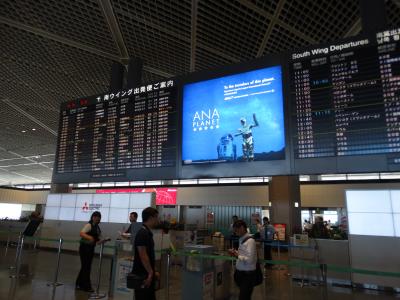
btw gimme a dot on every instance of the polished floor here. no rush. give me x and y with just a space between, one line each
40 266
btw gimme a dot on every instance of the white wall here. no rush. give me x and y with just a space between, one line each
333 195
312 195
23 197
223 195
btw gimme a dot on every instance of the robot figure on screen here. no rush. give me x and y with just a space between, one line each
226 148
248 143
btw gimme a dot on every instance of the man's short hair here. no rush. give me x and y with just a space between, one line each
149 212
240 223
265 219
134 213
235 217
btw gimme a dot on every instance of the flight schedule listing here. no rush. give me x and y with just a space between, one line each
109 134
346 97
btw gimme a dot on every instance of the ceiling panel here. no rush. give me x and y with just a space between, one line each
231 28
81 21
54 51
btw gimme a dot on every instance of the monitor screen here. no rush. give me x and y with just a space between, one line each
234 118
119 136
345 105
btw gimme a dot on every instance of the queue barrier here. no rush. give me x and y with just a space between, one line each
171 252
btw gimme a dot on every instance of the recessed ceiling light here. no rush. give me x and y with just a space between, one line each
33 129
23 131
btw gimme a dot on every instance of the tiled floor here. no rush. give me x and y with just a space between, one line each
277 286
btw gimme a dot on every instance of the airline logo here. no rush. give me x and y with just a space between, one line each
91 207
85 207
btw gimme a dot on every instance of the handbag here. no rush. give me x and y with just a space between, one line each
135 281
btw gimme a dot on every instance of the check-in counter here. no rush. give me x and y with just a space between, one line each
122 265
223 278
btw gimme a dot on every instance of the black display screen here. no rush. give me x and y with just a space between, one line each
117 134
346 98
341 113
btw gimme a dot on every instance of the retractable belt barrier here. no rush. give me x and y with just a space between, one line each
289 263
170 252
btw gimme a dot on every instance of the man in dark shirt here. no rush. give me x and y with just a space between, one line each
132 219
144 261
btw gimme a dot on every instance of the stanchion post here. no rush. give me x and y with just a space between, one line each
167 275
96 294
16 252
302 267
8 242
279 255
55 283
18 257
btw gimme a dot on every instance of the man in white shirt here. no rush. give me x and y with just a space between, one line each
246 261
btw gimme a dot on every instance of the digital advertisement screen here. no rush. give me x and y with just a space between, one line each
164 196
234 118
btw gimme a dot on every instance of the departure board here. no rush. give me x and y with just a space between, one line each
346 98
115 135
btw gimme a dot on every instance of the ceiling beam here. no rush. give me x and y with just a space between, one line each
116 34
193 35
21 175
354 29
24 157
57 38
71 43
267 15
29 116
271 25
178 36
28 164
157 72
26 84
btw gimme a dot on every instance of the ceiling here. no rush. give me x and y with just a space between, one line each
54 51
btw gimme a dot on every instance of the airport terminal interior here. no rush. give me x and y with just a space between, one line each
265 133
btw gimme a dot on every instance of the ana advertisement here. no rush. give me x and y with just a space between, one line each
234 118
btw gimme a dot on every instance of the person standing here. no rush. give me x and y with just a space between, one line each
269 233
233 237
132 219
319 230
90 236
259 229
245 273
144 262
133 228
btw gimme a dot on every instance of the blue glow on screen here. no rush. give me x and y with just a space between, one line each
212 114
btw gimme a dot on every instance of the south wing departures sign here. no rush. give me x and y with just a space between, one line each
346 103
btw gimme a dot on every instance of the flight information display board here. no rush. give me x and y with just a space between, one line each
119 136
345 99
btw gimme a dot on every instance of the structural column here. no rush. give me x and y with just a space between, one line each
60 188
284 195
